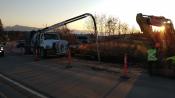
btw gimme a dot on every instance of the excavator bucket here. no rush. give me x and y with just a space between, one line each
144 24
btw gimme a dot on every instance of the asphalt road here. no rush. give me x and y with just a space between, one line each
7 91
51 78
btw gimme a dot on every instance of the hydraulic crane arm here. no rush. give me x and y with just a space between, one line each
70 21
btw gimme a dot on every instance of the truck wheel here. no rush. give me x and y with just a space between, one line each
43 53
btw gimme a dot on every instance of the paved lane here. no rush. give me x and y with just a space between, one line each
51 77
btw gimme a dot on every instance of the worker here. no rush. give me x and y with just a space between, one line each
152 59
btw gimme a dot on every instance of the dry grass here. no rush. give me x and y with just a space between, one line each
114 50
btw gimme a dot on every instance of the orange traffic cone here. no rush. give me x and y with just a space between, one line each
36 55
69 59
125 68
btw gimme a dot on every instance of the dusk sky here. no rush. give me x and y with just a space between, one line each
38 13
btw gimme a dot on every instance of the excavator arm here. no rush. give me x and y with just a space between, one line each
160 32
158 29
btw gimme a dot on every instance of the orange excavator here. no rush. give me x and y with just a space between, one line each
161 34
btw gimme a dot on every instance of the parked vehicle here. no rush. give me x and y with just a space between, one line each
49 44
2 53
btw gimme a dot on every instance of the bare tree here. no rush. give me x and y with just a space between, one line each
90 25
111 25
119 27
124 28
1 26
101 24
2 35
108 25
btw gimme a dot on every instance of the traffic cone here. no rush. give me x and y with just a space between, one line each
125 68
36 55
69 59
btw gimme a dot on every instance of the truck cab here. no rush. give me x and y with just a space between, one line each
49 43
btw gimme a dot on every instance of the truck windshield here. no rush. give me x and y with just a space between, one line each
50 36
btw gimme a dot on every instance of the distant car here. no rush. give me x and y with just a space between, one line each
2 50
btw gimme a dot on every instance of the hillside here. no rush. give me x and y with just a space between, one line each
19 28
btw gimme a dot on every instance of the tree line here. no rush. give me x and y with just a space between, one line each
109 25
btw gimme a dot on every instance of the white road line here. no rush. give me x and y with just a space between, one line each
2 95
23 87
